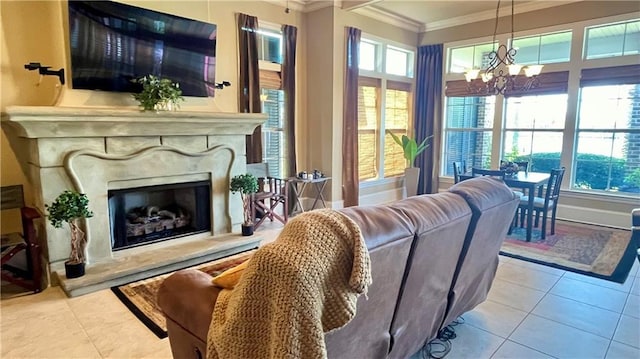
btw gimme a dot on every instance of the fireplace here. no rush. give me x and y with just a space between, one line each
149 214
125 159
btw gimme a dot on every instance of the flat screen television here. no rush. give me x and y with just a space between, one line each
113 44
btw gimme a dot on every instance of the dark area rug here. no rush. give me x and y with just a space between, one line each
596 251
140 296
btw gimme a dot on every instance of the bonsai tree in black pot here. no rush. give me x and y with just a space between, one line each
70 207
246 185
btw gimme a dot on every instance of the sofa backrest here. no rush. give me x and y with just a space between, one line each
441 221
388 235
493 205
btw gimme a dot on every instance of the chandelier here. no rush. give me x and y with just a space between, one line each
501 75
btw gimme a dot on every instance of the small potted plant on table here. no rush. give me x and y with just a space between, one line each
246 185
70 207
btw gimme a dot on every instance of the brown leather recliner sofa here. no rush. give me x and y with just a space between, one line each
433 258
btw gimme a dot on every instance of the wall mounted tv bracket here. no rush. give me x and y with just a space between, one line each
221 85
44 70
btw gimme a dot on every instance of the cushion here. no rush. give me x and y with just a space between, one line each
229 278
538 202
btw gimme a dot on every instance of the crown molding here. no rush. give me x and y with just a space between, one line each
490 14
303 5
389 18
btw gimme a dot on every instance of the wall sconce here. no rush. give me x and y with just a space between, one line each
222 85
44 70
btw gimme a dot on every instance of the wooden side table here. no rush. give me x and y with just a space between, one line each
300 184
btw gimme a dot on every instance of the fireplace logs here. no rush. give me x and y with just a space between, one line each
149 219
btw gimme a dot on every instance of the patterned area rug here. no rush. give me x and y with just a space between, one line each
140 296
595 251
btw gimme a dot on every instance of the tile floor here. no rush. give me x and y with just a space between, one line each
532 312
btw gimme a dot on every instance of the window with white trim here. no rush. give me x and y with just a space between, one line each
269 41
600 146
612 40
385 102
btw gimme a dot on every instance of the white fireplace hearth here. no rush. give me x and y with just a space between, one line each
95 150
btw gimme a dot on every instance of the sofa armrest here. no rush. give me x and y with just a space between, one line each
187 297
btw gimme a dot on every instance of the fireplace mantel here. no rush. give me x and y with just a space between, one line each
60 122
95 150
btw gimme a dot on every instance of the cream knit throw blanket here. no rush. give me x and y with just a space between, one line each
293 290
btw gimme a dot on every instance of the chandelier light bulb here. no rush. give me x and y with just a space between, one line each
533 70
514 69
487 76
471 74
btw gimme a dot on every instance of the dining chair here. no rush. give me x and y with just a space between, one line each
523 165
542 205
483 172
459 167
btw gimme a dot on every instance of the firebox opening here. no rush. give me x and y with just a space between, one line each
144 215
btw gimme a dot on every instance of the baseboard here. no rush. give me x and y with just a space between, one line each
381 197
594 216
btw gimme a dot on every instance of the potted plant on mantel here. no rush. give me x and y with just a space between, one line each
70 207
411 151
158 94
246 185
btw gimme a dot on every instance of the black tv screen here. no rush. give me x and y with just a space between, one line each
113 44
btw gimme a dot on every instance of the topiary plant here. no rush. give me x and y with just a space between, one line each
158 93
69 207
246 185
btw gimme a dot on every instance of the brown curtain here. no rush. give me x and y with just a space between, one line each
289 36
250 81
350 178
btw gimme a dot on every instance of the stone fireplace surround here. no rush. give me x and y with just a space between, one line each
94 150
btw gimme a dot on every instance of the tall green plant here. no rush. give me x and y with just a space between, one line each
246 185
69 207
410 146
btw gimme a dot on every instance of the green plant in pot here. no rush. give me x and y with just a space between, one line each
70 207
158 94
246 185
411 150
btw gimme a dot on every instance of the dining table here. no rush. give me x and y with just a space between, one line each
528 181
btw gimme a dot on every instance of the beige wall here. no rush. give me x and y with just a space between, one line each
579 11
35 31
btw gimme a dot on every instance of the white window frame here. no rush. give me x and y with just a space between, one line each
574 67
380 73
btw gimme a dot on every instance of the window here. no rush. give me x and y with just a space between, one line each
384 104
273 131
269 45
468 131
595 121
607 154
399 62
543 49
368 55
397 113
613 40
533 130
469 57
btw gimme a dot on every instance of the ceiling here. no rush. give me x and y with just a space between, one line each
425 15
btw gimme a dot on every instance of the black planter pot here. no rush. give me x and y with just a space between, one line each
74 270
247 230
